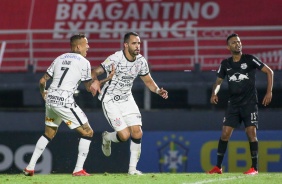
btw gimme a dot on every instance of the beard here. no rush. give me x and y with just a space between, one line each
133 52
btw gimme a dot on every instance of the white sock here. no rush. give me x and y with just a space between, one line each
39 148
83 149
112 136
135 151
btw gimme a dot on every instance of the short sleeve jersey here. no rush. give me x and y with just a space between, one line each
67 71
241 78
119 88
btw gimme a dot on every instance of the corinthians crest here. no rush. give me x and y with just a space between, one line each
173 153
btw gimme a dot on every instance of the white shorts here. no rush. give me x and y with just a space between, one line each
122 114
73 117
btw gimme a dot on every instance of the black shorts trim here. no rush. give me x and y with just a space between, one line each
74 113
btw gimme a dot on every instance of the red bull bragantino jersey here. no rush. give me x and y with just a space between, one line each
241 77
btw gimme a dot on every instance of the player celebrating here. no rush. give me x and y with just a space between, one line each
118 103
242 105
67 71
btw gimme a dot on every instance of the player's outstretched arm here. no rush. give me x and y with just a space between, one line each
162 92
150 83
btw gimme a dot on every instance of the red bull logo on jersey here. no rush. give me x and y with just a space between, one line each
237 77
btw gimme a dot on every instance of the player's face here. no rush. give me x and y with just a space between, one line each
235 45
133 46
83 47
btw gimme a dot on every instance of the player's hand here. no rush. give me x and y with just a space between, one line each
163 93
44 94
214 99
267 99
95 87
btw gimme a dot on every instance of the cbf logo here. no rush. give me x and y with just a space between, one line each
173 152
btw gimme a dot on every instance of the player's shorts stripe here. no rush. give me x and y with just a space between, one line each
106 114
104 94
74 113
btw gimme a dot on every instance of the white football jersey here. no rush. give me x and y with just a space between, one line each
119 88
67 71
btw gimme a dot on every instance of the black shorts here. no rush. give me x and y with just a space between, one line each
248 114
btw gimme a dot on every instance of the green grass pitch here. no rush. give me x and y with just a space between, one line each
147 178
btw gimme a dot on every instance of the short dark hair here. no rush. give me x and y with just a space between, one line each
231 36
76 37
127 35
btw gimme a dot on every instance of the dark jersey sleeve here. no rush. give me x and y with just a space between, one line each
221 72
257 63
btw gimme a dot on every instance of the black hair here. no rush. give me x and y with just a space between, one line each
127 35
76 37
231 36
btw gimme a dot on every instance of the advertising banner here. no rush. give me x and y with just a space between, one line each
176 35
136 14
60 154
162 151
196 151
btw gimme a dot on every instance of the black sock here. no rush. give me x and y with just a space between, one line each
254 154
221 149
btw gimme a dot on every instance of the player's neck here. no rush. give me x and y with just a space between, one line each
236 57
128 56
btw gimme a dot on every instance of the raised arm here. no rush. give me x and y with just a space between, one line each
42 85
215 90
150 83
268 96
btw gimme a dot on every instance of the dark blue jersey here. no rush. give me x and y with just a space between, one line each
241 78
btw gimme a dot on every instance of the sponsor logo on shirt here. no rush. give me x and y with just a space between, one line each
244 66
238 77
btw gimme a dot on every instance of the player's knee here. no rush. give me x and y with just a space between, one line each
123 136
49 136
252 138
137 134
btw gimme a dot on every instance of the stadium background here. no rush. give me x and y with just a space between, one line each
181 133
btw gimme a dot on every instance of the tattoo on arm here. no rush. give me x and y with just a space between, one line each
42 83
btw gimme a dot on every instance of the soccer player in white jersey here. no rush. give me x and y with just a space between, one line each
67 71
118 103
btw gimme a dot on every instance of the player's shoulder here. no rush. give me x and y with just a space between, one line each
141 58
226 60
116 56
249 56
